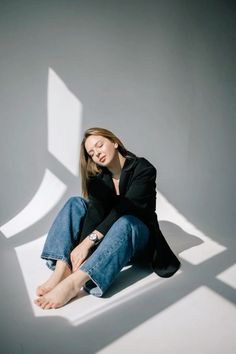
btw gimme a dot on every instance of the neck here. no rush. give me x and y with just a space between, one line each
117 166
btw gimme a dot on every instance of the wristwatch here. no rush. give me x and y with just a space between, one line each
94 237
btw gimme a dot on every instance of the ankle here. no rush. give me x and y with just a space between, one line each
62 268
77 281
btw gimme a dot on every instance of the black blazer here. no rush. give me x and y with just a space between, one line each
137 197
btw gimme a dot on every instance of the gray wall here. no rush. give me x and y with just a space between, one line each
160 74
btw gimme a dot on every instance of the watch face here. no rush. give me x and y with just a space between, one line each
93 237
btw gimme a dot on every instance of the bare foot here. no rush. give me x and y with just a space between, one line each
66 290
61 272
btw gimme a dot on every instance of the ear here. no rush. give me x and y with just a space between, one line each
116 145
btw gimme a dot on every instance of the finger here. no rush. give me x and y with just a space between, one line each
74 258
74 266
77 264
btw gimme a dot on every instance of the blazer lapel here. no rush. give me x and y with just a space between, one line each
126 172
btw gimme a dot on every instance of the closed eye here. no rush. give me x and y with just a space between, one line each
98 145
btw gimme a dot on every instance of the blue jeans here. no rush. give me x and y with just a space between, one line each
127 240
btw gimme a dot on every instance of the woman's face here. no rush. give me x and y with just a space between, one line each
101 150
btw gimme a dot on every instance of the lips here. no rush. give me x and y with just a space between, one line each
102 159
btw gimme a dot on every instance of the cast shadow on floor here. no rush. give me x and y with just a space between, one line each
178 240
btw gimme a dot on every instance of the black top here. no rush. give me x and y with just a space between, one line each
137 187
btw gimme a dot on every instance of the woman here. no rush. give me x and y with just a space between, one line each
94 237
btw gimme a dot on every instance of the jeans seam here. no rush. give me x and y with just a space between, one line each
93 268
109 252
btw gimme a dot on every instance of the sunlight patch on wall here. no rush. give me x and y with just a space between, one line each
64 134
64 123
47 196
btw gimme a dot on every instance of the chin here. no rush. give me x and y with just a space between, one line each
101 164
106 163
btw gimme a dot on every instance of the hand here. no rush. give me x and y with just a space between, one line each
80 253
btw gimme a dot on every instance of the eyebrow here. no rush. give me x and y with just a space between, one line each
99 141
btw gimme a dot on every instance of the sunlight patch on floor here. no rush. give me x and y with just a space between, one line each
201 322
197 254
228 276
87 306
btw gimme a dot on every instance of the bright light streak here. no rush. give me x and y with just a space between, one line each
47 196
64 123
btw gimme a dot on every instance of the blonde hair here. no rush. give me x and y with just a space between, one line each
88 167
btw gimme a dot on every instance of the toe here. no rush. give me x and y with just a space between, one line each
39 292
42 291
48 306
41 301
37 302
45 304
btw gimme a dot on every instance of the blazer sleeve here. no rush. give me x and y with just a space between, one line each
99 205
139 200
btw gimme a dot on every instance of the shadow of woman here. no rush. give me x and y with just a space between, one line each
179 241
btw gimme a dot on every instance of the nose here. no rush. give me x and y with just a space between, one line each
97 152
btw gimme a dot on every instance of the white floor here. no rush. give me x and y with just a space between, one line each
88 306
201 322
192 312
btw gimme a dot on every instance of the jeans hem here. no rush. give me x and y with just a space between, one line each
51 260
89 285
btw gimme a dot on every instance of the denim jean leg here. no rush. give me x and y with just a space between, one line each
64 232
127 236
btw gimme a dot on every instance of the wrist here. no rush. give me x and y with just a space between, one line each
100 235
93 239
88 242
